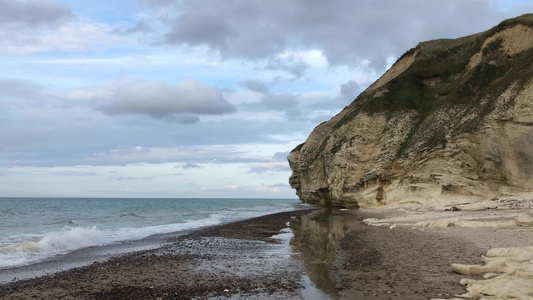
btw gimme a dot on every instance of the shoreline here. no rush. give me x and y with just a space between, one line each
195 264
326 253
89 254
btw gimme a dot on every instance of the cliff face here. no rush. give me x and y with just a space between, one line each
451 121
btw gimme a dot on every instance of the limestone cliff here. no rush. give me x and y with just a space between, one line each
451 121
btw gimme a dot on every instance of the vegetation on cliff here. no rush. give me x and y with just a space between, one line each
440 77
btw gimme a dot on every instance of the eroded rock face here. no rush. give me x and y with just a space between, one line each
450 122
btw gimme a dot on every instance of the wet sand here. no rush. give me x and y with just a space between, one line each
402 263
326 254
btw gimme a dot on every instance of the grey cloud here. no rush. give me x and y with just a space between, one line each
208 23
279 101
294 66
278 163
256 86
281 156
350 90
49 131
33 12
162 101
186 119
140 27
65 141
378 63
283 102
302 107
18 88
190 165
158 3
25 94
346 31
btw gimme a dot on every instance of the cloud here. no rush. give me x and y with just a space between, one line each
279 101
302 107
33 12
72 173
293 65
190 165
14 88
350 90
346 32
34 26
158 3
30 26
25 96
279 163
135 178
256 86
42 134
281 156
277 185
270 167
140 27
239 188
65 37
163 101
189 156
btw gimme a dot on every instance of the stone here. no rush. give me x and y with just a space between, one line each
524 221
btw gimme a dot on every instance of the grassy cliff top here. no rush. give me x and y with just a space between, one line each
443 78
447 61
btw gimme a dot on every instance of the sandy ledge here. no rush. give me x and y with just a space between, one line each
356 254
481 251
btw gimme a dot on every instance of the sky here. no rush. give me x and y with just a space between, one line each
193 98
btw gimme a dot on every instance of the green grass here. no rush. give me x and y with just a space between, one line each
525 19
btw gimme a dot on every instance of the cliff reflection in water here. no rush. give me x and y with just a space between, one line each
316 238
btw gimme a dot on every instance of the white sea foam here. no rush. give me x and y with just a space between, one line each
131 233
51 244
51 227
54 243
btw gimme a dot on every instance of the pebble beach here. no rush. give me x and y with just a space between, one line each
302 254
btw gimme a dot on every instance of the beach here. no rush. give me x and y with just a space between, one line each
304 254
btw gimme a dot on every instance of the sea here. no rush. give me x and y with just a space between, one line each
36 230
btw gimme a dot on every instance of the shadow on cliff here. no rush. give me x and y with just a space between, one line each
316 239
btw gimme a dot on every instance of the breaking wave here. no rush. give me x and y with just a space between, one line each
74 238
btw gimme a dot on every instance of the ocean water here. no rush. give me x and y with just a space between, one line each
36 229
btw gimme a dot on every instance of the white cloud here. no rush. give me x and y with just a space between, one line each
68 37
239 188
190 156
270 167
163 101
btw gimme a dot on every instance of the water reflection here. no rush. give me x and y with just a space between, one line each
316 238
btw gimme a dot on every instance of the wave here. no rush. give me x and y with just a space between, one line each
51 244
56 243
66 223
131 214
